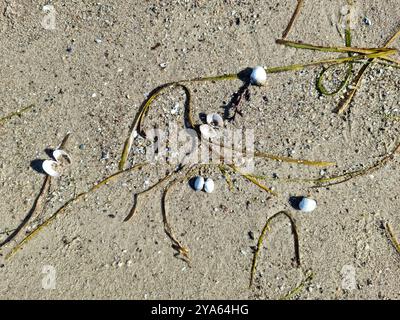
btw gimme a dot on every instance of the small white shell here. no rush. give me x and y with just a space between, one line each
207 131
209 185
60 154
307 204
198 183
48 167
214 119
258 76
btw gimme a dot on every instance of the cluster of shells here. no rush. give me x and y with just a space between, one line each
214 124
55 167
200 183
211 129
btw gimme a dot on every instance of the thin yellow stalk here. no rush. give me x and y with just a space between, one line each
259 154
140 194
251 179
140 116
293 18
261 240
297 67
299 288
344 104
181 249
364 51
16 113
392 238
48 221
348 176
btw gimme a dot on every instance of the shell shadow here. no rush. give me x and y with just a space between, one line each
37 165
294 201
49 152
244 76
203 117
191 182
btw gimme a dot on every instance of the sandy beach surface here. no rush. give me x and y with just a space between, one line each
86 67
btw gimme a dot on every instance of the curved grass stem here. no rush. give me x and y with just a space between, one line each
49 220
140 194
261 240
293 18
330 181
182 251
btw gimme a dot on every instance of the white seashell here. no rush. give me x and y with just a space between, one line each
307 204
49 167
214 119
207 131
258 76
209 185
60 154
198 183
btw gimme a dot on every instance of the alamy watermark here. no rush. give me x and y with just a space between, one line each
348 274
49 20
209 145
49 279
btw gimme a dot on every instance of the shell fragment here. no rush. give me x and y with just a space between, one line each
207 132
59 155
214 119
49 166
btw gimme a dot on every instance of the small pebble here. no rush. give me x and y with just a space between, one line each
367 21
251 235
209 185
307 204
104 155
258 76
198 183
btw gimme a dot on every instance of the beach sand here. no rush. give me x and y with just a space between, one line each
88 74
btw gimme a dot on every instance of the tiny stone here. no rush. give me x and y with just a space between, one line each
82 146
367 21
104 155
